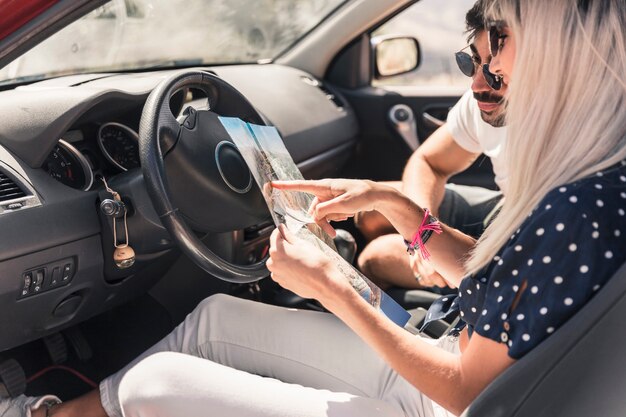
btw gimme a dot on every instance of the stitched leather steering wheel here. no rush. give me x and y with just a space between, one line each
195 177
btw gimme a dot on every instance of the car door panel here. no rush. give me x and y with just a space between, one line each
382 152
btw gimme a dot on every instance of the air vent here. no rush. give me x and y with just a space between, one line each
9 190
327 92
331 96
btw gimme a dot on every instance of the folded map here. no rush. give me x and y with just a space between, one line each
268 160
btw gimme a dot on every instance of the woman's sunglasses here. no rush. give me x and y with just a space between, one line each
496 37
468 67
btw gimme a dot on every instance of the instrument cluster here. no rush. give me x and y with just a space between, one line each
74 160
119 145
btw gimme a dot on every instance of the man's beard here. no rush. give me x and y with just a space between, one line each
496 118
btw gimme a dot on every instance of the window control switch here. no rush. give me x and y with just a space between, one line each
56 276
27 283
66 274
38 280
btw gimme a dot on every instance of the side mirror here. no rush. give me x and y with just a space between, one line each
395 55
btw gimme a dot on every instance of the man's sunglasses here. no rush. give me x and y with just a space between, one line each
468 67
496 37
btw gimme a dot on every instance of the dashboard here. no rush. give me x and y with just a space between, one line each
59 137
101 150
104 148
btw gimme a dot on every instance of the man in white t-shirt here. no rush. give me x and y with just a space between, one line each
473 127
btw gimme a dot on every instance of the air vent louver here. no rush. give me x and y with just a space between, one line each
331 96
9 190
327 92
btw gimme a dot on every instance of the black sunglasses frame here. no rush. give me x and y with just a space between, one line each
468 67
465 63
494 81
494 35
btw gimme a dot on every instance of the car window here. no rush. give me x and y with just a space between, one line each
141 34
440 32
136 9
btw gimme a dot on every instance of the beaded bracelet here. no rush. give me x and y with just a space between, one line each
430 224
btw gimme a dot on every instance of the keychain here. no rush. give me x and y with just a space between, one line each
124 255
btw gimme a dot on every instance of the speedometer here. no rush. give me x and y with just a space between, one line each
120 145
67 165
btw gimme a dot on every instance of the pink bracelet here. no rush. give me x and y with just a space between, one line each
430 224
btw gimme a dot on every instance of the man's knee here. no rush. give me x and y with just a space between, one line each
368 258
374 257
365 260
372 224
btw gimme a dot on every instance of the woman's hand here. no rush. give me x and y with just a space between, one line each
300 267
337 199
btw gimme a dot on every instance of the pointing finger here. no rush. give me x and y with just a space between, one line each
312 187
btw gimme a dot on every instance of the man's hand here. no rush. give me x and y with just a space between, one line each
425 273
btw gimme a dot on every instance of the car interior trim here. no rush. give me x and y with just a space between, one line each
309 164
329 37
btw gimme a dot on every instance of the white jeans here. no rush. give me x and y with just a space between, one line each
233 357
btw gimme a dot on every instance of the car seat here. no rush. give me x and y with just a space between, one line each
579 371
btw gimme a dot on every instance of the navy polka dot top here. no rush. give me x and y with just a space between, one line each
571 244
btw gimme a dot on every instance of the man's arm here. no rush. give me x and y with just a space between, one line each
425 176
430 167
424 180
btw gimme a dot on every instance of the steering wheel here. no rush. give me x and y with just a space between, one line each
196 178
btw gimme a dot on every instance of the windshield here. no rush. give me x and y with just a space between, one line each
139 34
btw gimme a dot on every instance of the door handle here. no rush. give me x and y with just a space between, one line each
432 121
403 120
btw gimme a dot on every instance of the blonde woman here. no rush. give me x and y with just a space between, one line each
561 232
559 237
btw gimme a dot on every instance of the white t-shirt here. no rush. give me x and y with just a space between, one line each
474 135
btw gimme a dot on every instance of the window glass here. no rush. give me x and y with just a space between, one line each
135 9
141 34
439 28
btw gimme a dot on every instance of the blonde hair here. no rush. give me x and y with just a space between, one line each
566 105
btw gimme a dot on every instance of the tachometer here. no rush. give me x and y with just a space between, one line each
120 145
67 165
